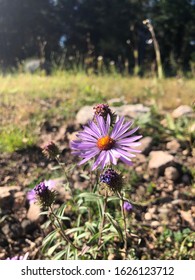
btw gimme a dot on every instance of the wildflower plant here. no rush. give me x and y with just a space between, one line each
86 225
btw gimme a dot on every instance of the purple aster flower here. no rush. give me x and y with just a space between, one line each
127 206
105 143
16 258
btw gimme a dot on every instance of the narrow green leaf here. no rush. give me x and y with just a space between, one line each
115 225
60 254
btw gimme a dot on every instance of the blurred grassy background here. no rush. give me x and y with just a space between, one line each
27 100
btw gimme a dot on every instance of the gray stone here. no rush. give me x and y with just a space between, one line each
159 160
32 65
171 173
132 111
173 146
148 216
155 224
146 145
33 213
84 114
183 110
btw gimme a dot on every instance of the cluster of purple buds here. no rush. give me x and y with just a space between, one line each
104 110
44 195
36 192
112 179
41 189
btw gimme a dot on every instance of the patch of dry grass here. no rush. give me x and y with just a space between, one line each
26 100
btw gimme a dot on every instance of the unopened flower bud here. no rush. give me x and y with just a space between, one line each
127 206
44 195
51 150
103 110
112 179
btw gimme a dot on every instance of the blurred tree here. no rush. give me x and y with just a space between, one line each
86 29
26 26
175 29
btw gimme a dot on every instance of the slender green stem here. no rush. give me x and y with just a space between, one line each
125 227
103 219
62 166
65 174
61 230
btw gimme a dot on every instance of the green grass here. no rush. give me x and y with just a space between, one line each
26 101
13 137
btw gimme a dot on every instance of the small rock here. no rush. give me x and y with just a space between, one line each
33 213
84 114
2 255
132 110
141 158
155 224
141 190
152 210
171 173
8 189
146 145
139 169
183 110
187 216
32 65
163 210
170 188
186 152
159 160
148 216
173 146
160 229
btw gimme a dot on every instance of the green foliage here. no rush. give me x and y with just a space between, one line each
13 138
160 127
180 128
90 95
178 244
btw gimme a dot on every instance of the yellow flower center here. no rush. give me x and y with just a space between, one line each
105 143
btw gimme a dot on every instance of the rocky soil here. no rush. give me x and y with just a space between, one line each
161 180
